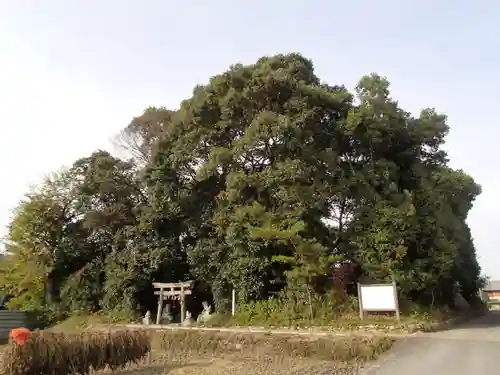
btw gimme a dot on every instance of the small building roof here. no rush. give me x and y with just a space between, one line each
491 286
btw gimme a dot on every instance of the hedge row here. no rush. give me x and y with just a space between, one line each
59 354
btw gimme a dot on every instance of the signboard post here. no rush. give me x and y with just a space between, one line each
378 298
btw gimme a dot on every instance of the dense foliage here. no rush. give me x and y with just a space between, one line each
265 180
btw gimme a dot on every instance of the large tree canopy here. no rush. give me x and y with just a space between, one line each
263 179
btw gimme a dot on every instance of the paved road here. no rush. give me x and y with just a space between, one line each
471 349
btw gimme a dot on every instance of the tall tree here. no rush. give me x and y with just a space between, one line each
262 180
138 138
37 241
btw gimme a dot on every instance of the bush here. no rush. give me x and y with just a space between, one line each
58 354
289 309
218 320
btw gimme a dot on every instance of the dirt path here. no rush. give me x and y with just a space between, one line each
472 348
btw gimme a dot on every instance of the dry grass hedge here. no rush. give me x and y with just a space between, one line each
59 354
330 348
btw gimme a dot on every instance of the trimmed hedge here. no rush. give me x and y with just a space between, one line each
59 354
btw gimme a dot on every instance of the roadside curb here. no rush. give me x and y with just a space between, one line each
253 330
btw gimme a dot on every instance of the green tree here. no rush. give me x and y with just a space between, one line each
40 253
260 181
256 135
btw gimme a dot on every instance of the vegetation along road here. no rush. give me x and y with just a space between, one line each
472 348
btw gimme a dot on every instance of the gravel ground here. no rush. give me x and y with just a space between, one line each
162 363
221 366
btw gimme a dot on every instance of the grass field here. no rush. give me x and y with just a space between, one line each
181 352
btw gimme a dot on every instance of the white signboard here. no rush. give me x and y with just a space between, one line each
378 297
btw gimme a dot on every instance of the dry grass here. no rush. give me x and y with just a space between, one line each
334 348
212 353
80 322
234 366
219 353
48 353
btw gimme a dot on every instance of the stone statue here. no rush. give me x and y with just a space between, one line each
147 318
206 313
207 309
188 320
166 316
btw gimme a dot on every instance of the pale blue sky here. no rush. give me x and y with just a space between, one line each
74 72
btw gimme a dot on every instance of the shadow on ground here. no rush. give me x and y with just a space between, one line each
489 320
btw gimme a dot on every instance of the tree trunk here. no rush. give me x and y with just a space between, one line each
50 288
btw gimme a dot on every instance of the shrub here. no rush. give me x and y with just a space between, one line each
217 320
289 309
58 354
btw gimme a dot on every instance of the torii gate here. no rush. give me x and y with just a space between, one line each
175 291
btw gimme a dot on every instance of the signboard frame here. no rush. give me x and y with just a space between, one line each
365 288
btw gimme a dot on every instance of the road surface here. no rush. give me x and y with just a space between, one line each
470 349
